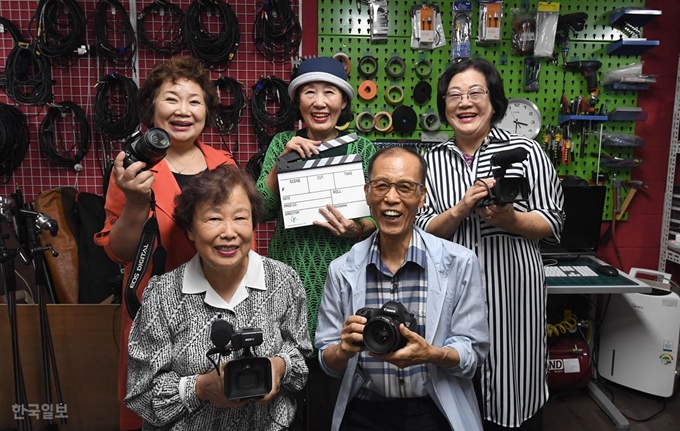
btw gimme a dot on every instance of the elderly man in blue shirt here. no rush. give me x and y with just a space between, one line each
413 367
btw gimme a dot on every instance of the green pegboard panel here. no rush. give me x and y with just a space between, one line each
344 26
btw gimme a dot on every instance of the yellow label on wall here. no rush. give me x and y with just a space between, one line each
548 6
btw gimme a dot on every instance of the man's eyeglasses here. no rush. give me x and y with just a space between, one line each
474 95
405 189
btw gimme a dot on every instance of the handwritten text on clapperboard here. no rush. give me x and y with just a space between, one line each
303 192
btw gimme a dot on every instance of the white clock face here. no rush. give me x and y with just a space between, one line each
521 118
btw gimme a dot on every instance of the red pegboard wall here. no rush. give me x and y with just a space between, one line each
76 82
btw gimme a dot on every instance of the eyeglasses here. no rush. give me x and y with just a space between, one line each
474 95
405 189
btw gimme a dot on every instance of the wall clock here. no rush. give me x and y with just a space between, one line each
522 118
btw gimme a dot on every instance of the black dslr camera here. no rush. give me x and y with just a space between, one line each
381 332
249 376
507 190
149 147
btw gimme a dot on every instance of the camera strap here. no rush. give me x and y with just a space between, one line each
150 233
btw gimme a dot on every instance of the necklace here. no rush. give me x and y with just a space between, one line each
179 171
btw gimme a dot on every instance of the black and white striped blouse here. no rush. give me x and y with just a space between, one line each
514 379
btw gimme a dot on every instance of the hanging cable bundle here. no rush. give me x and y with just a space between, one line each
13 30
276 31
271 90
211 49
74 147
159 28
227 116
116 114
16 36
60 27
28 75
14 140
116 40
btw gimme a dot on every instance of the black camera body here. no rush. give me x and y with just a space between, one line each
507 190
149 147
381 332
249 376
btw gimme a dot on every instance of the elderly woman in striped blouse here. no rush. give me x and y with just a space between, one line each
464 204
172 382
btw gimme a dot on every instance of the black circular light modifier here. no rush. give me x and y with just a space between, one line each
404 119
422 92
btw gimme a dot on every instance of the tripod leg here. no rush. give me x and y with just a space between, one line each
23 420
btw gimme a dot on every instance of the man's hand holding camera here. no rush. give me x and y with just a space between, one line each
386 333
417 350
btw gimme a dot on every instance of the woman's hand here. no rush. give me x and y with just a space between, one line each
278 371
338 225
133 181
498 215
304 147
210 387
474 194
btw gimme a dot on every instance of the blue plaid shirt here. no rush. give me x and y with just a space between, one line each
409 287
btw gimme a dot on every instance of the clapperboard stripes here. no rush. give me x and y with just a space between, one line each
319 163
292 161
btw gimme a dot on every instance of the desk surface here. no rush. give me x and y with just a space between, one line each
622 283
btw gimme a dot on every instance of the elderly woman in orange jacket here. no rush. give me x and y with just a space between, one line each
178 97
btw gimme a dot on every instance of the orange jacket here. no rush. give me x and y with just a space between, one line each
179 249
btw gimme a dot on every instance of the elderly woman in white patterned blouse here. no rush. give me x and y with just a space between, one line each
172 383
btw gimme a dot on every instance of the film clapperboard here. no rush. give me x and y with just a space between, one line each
305 185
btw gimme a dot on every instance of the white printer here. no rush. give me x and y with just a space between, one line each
639 338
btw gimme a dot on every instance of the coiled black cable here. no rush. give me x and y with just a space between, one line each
227 116
120 52
167 38
254 165
28 76
73 149
14 140
276 31
16 36
60 27
116 114
271 90
212 49
13 30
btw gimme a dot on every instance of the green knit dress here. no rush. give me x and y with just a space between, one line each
308 249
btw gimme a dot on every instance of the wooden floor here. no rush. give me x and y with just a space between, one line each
578 412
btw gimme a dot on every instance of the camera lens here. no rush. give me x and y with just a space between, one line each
510 190
150 148
248 378
153 146
381 335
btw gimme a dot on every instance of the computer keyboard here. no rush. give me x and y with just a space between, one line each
569 271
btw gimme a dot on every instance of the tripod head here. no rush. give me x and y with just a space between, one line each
41 222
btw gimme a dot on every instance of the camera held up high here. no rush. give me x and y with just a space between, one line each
381 332
507 190
149 147
246 377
